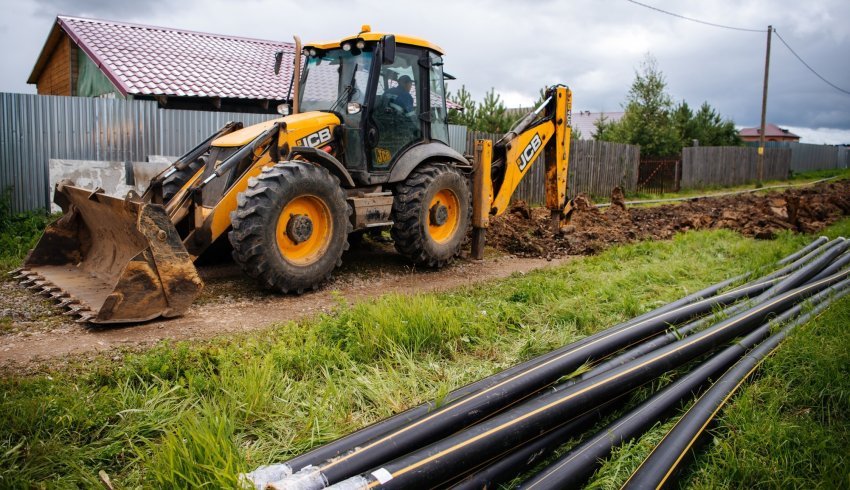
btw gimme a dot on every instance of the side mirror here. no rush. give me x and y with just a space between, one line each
388 49
278 59
284 109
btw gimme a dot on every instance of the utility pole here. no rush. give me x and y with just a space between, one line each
760 164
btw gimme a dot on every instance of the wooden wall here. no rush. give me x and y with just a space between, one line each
59 75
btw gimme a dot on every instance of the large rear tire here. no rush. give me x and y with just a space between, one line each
431 214
291 226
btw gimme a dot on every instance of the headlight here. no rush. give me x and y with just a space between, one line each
283 109
313 52
354 107
346 47
361 44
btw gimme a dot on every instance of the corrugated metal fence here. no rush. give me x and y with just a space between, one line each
704 166
36 128
596 167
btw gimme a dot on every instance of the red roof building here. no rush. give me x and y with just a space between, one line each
772 132
178 68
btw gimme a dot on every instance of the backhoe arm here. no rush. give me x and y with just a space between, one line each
499 169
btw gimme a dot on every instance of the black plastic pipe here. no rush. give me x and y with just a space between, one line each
834 267
441 460
573 469
378 442
484 403
660 465
372 432
797 263
803 251
515 461
822 263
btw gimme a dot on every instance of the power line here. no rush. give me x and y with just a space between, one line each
836 87
695 20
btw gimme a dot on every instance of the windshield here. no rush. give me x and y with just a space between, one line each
333 78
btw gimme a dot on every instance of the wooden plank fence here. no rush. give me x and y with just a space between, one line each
806 157
704 166
596 167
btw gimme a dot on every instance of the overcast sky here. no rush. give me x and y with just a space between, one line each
518 47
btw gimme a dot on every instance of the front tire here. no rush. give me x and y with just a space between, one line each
291 226
431 214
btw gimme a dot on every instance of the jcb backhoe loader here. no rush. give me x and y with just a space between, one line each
365 146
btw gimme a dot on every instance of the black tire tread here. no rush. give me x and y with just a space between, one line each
408 230
256 212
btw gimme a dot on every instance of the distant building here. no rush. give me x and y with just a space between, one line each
585 121
177 68
772 132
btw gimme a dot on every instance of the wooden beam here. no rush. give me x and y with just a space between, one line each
162 99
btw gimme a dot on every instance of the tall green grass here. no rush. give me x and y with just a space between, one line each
18 231
195 414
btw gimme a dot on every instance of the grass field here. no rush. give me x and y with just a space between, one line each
184 415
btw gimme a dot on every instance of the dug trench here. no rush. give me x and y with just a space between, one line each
34 332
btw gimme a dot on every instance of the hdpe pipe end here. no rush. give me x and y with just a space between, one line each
307 478
353 483
259 478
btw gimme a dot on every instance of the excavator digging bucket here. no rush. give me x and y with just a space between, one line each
111 260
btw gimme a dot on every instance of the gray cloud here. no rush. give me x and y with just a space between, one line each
593 46
102 8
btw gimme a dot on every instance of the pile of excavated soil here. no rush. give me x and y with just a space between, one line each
526 232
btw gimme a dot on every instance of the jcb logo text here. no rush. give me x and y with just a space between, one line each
315 139
528 152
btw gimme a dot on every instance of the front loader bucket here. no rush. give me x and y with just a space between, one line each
111 260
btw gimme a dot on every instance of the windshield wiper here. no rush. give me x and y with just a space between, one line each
346 92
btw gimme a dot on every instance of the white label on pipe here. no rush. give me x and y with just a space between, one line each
382 475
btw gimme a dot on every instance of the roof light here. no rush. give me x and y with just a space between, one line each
365 28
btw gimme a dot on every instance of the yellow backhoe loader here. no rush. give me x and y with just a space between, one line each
365 145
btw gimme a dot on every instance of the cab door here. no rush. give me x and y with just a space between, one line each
395 121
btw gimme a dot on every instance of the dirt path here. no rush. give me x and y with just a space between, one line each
34 331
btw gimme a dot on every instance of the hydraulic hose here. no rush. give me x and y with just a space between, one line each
439 461
674 312
571 470
660 465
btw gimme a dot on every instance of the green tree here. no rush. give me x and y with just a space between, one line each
712 130
464 117
492 115
648 115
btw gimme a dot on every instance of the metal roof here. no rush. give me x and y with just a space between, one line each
150 60
770 130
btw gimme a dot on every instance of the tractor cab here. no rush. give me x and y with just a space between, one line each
388 92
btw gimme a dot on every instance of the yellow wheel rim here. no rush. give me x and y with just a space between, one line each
304 230
443 216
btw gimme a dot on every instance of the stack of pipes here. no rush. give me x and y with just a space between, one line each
494 430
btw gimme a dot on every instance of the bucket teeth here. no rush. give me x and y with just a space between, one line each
17 271
58 294
85 317
38 285
67 302
77 310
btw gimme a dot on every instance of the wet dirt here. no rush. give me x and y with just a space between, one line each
526 232
34 333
